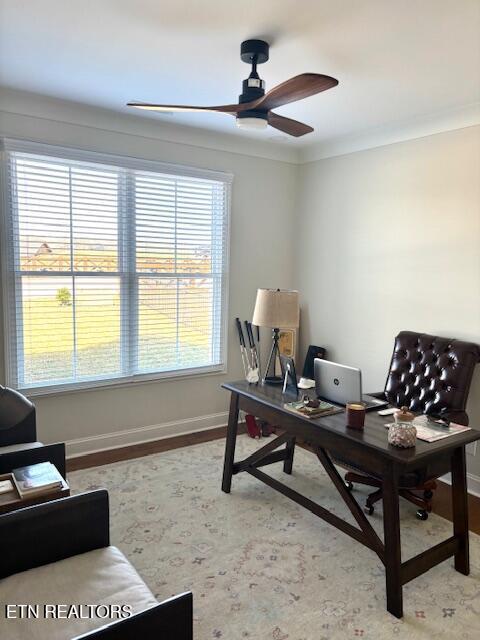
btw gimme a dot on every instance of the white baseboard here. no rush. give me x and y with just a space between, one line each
472 481
139 435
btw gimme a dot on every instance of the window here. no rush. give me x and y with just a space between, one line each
115 269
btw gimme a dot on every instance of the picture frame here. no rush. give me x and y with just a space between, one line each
289 375
287 342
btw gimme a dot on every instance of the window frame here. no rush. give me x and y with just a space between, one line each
10 270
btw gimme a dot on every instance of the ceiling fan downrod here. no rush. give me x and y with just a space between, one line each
253 52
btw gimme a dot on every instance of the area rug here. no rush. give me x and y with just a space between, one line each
261 567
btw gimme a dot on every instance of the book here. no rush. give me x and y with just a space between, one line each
310 412
37 479
6 486
433 430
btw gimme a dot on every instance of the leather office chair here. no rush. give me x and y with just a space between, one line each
18 435
430 375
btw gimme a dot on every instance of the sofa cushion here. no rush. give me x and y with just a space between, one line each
100 577
20 447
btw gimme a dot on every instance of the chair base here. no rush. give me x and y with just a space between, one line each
423 501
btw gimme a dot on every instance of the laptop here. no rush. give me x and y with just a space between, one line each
340 384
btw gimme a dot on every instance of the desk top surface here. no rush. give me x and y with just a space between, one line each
373 436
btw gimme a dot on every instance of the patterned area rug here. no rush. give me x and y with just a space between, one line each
261 567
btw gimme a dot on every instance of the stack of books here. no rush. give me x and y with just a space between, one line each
310 412
37 479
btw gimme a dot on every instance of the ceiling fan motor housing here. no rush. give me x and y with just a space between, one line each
252 88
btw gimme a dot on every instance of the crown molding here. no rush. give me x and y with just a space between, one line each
415 128
15 103
22 103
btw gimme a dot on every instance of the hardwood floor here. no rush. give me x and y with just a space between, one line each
442 504
145 449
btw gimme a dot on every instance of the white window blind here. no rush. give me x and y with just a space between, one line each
115 268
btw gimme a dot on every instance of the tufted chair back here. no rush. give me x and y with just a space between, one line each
17 418
431 375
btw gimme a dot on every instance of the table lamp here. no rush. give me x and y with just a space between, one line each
275 308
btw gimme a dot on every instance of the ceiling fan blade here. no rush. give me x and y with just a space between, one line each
297 88
292 127
226 108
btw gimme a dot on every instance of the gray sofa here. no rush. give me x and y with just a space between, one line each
59 553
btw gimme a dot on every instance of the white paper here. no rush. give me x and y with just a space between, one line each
430 432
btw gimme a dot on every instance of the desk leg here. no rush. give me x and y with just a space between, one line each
230 444
288 462
391 530
460 510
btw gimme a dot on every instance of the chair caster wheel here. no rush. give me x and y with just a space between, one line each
369 509
422 514
349 486
427 495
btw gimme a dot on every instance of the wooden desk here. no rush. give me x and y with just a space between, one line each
368 450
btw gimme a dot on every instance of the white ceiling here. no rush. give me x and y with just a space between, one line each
397 61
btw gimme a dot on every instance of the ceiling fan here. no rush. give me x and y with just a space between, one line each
255 107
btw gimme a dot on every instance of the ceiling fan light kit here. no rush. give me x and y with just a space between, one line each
252 122
255 107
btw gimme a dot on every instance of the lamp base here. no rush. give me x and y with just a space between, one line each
270 376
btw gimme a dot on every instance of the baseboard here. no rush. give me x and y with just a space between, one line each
140 435
472 481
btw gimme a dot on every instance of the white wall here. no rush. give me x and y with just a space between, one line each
260 255
376 241
389 239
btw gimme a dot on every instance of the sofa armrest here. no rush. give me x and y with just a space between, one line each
54 453
17 418
52 531
169 620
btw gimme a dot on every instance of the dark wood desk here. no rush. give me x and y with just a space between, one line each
368 450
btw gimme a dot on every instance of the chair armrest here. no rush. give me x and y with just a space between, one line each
378 394
459 417
54 453
52 531
169 620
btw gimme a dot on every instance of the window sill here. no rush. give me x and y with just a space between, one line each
116 383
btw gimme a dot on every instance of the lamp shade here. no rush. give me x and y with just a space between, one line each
276 308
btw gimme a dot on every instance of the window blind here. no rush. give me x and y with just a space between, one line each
115 268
